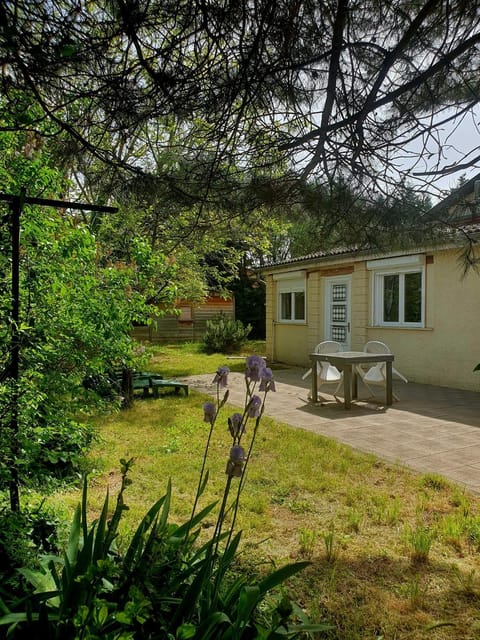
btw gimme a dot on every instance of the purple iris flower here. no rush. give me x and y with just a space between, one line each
255 367
221 377
235 462
235 425
209 412
254 406
267 382
237 454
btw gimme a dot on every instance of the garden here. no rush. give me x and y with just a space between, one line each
358 547
156 154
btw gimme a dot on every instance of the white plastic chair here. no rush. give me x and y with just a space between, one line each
326 372
377 374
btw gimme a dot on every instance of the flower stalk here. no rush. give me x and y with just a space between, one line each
258 379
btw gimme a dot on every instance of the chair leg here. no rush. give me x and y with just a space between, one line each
339 385
399 375
360 371
369 389
337 388
372 394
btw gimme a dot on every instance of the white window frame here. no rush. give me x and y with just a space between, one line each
400 266
291 284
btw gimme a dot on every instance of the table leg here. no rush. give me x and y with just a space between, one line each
314 382
347 385
354 383
388 384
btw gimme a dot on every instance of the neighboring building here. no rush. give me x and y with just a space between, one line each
418 302
188 324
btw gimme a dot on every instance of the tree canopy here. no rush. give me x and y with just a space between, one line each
213 123
325 218
241 88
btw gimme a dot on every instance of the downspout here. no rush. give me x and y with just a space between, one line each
273 341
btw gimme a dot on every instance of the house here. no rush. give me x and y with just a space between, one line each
188 323
418 301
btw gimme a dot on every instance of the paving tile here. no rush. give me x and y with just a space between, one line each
431 429
467 476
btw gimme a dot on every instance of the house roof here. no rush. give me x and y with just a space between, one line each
329 253
340 254
455 234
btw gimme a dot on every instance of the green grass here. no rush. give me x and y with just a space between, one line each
185 359
307 495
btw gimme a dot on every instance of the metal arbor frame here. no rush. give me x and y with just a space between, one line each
17 203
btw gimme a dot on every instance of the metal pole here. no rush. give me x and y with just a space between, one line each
16 211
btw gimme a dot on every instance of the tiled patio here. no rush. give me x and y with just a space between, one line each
431 429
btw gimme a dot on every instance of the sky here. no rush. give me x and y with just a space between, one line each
458 144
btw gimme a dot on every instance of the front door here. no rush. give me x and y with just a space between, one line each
337 310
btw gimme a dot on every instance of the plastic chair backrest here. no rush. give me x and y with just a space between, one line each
328 346
374 346
326 371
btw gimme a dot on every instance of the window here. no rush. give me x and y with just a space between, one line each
185 314
291 298
398 291
292 305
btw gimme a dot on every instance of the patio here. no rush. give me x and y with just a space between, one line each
431 429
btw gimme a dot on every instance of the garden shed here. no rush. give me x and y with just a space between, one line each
187 323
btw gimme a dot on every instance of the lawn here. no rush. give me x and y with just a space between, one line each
393 554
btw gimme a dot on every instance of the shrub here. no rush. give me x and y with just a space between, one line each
22 537
56 451
224 335
50 443
167 584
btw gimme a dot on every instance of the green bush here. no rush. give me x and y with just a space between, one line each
56 452
22 537
224 335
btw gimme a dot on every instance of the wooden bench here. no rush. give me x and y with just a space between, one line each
146 380
157 384
143 380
